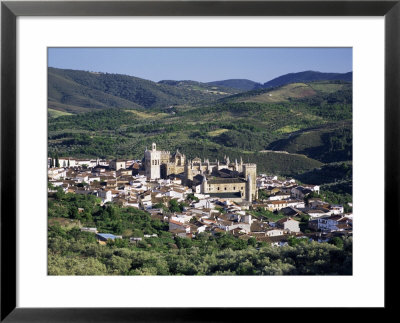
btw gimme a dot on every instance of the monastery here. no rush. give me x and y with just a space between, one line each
232 180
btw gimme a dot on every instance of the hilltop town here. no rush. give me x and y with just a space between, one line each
192 196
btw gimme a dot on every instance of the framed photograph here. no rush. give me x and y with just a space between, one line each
156 154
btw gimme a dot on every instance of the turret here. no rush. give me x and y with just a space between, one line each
204 186
188 171
251 169
249 189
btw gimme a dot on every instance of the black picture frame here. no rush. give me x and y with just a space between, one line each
10 10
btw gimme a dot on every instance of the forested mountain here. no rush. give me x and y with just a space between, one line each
206 88
316 94
81 91
75 91
308 76
240 84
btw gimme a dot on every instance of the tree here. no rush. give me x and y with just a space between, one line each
262 195
174 206
252 242
191 197
337 241
60 193
57 162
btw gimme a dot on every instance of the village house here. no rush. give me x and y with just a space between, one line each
290 211
177 225
105 195
279 196
224 211
288 224
287 188
333 223
300 192
67 162
299 204
318 213
274 232
56 173
276 205
117 164
337 209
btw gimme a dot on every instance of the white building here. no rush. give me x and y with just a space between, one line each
56 173
288 224
275 232
333 223
106 196
152 162
337 209
67 162
117 164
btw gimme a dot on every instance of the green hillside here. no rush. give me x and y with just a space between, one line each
203 88
314 93
81 91
332 142
308 76
237 130
335 177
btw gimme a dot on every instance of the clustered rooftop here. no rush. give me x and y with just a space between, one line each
232 187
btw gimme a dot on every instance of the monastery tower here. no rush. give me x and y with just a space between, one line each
251 169
152 162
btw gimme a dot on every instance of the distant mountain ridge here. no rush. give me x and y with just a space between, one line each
75 91
240 84
81 91
308 76
300 77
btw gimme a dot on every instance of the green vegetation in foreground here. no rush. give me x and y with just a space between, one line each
72 252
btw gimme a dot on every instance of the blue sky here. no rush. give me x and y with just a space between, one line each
202 64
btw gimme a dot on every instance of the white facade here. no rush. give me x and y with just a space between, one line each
337 209
105 196
65 162
152 162
117 164
274 233
174 194
56 173
291 225
279 197
331 223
